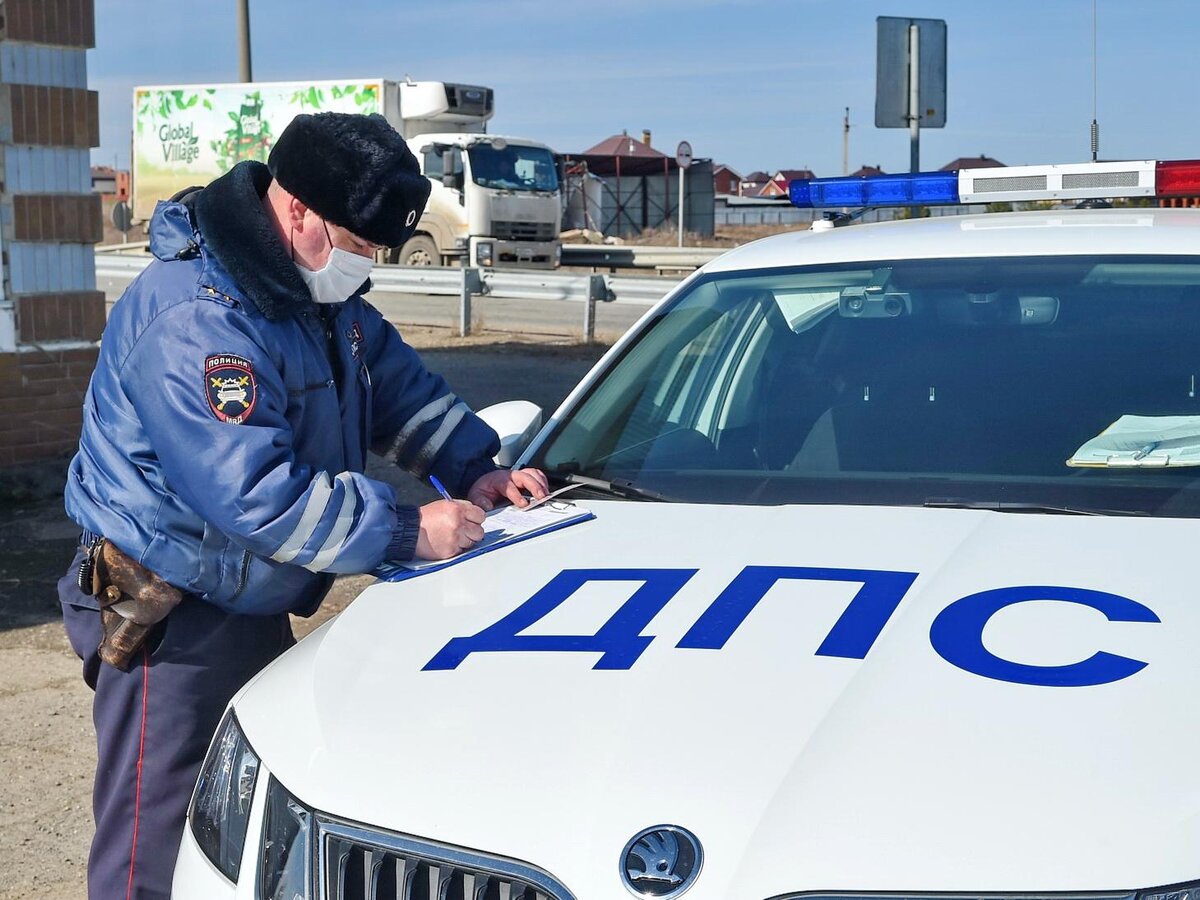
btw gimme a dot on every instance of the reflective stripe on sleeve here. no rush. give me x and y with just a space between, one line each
424 461
427 413
318 499
337 537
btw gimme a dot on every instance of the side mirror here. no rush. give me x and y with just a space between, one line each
516 421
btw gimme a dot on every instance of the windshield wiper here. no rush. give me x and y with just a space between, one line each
1014 506
618 487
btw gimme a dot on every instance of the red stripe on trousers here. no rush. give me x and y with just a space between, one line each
137 796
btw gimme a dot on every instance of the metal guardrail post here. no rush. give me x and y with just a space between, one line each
464 305
472 283
598 289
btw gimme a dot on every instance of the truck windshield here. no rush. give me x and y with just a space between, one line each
515 168
1043 383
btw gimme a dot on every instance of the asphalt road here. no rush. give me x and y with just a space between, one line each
527 317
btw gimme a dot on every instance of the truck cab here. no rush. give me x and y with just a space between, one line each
494 199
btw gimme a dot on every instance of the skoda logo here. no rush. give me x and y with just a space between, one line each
662 861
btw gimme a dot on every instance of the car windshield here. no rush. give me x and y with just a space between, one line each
513 168
1064 383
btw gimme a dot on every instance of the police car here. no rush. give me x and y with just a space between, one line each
890 591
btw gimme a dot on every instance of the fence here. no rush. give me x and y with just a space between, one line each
776 214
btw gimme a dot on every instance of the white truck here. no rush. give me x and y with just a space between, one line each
494 199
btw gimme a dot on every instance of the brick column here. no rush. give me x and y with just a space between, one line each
51 314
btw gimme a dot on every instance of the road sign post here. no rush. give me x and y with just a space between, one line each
910 78
683 156
914 99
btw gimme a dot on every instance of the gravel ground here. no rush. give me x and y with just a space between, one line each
47 746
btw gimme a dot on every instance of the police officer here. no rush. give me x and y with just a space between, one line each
241 381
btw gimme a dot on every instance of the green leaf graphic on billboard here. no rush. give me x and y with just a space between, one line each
249 138
367 95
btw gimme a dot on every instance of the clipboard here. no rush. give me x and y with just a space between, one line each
1142 442
502 527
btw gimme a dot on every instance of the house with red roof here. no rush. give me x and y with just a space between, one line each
971 162
778 185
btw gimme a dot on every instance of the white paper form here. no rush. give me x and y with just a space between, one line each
1143 442
509 523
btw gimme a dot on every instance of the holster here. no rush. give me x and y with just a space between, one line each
132 600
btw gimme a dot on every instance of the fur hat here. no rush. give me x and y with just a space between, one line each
352 170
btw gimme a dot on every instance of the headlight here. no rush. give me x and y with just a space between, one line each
221 804
287 847
483 254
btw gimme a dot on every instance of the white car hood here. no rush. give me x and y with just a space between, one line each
797 772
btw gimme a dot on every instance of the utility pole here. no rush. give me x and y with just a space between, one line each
846 143
245 73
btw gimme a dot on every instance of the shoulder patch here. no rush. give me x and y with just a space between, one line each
230 387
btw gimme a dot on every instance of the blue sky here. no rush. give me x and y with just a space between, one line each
756 84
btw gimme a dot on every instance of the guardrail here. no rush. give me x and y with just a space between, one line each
466 283
124 248
638 256
617 256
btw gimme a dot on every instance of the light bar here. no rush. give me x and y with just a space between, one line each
1180 178
876 190
1075 181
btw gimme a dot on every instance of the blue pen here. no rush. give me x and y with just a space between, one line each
441 489
1147 450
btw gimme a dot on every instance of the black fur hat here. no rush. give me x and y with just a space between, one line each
352 170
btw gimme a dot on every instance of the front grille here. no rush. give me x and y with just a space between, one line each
358 863
1089 895
525 231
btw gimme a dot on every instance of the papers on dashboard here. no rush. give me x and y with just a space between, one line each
503 526
1143 442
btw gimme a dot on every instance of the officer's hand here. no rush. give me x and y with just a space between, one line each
448 527
505 484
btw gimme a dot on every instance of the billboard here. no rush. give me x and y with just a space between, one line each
187 135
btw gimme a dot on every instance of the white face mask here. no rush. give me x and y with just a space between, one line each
341 276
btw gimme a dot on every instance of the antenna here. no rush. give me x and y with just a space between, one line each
1095 91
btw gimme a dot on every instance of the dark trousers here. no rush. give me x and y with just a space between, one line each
153 727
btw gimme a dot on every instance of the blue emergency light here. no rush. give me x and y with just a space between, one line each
1077 181
925 188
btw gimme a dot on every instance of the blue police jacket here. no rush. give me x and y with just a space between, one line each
227 423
